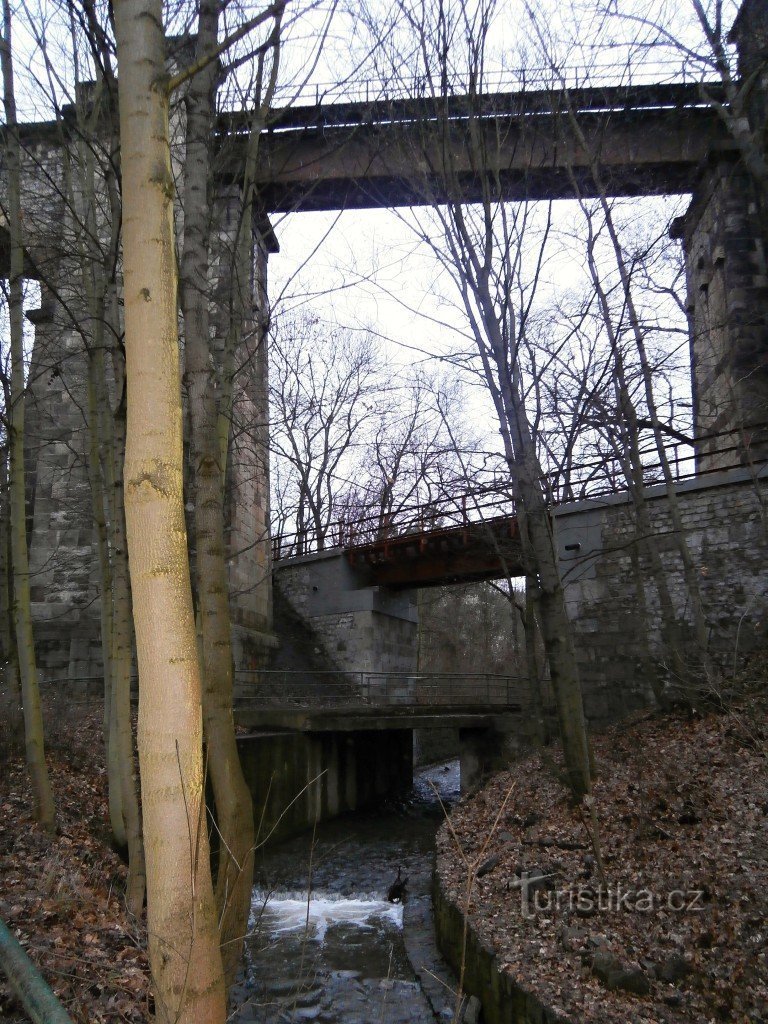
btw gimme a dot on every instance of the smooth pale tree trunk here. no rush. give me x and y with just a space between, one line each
25 645
181 921
232 798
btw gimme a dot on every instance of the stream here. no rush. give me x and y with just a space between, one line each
346 954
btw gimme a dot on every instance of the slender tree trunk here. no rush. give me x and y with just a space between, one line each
183 936
9 666
532 663
628 453
234 811
690 575
537 538
121 634
25 644
95 440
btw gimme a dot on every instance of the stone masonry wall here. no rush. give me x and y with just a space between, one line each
361 629
726 529
63 553
727 287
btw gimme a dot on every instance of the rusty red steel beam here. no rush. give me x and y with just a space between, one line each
469 552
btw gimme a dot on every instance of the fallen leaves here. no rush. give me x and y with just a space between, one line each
681 917
62 895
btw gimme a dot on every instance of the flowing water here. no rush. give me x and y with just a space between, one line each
325 943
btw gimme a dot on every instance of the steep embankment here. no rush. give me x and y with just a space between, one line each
675 931
62 895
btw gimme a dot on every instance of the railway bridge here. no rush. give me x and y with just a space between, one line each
534 143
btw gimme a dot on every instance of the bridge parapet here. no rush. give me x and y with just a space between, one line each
422 690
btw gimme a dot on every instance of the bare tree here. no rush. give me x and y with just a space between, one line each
25 646
183 935
325 390
485 249
207 412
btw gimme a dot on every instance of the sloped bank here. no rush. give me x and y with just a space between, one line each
503 1000
673 932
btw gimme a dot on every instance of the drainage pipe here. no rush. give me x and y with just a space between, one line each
39 1002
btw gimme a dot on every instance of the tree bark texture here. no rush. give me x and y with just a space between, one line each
183 936
232 798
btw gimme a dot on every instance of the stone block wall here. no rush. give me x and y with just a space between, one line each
64 580
727 289
360 628
63 553
725 519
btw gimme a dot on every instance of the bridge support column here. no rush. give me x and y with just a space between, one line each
360 628
727 281
725 238
486 750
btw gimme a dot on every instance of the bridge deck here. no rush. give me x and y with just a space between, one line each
648 141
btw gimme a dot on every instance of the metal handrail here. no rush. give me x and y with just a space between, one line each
591 478
614 74
276 688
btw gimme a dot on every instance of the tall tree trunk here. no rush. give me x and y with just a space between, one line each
107 432
183 936
528 617
96 439
689 571
25 644
540 554
121 736
628 454
234 811
9 666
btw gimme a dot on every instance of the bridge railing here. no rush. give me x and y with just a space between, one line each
475 506
586 476
420 690
600 74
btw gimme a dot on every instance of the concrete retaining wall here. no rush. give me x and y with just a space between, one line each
503 1000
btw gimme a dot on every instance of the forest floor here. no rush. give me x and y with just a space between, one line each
62 895
676 929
